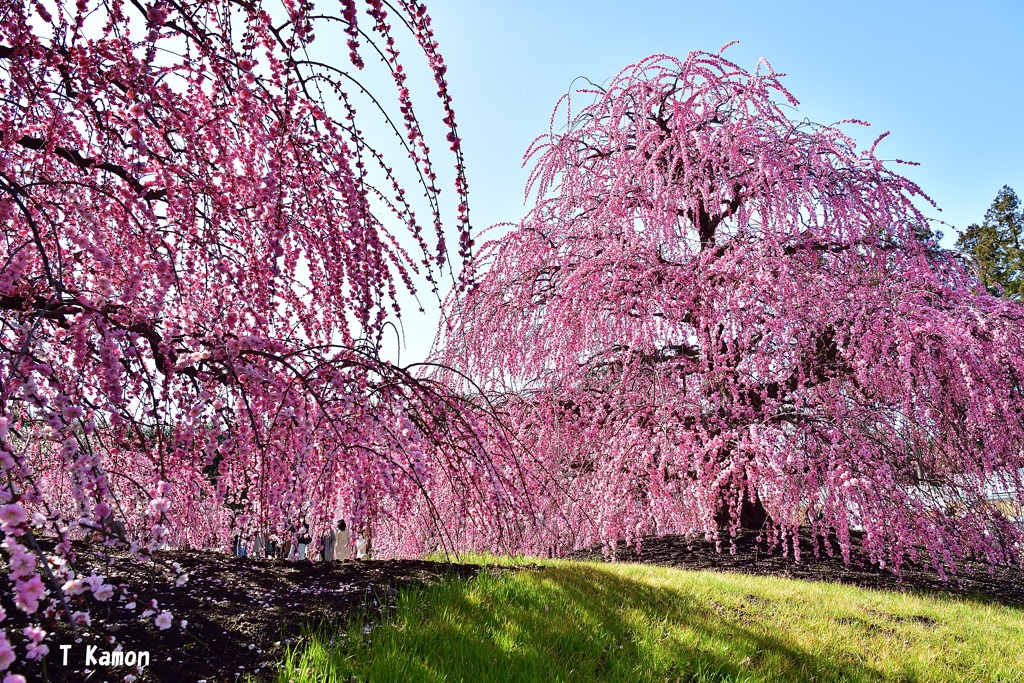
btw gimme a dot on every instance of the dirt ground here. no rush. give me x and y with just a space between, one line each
242 613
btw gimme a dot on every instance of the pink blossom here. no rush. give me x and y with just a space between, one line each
93 581
34 633
12 516
34 651
22 561
7 655
163 621
28 593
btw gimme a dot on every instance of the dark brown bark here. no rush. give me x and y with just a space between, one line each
752 515
85 163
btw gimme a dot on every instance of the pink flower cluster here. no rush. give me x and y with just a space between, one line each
714 308
197 276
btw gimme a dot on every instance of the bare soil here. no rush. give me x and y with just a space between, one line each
242 613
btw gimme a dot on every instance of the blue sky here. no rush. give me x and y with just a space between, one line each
947 79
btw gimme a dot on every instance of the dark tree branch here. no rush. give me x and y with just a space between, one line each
85 163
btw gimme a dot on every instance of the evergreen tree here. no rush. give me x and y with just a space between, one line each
994 247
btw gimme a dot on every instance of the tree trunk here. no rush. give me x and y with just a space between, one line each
752 515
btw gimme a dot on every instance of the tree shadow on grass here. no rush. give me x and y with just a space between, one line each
579 624
973 581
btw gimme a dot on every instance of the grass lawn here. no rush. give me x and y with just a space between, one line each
574 621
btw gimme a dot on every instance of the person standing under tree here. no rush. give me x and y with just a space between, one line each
304 540
343 544
289 543
272 549
329 543
364 545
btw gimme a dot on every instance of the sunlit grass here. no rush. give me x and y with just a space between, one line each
571 621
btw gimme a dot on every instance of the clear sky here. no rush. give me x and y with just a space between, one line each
947 79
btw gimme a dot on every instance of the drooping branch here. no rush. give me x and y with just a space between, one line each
712 307
198 269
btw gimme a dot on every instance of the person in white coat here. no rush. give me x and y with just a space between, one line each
364 545
343 542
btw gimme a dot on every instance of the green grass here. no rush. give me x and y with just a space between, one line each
573 621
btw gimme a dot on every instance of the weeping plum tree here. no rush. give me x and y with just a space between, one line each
718 316
203 246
